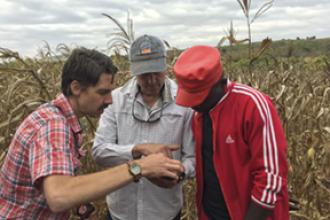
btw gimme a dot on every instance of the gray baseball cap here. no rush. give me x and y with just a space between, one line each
147 55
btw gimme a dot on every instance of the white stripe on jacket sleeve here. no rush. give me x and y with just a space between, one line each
270 153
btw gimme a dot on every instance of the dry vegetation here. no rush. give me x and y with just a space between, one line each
300 89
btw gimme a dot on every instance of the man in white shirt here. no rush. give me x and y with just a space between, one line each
142 120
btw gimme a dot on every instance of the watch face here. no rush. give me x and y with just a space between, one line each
136 169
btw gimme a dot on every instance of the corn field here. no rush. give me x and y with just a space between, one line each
300 88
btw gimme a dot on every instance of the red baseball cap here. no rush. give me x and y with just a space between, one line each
196 70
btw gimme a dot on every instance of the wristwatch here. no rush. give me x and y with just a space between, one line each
135 170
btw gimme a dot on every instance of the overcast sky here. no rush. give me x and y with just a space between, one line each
26 24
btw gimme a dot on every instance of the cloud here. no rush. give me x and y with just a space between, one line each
26 24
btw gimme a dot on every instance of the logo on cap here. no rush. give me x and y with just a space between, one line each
145 50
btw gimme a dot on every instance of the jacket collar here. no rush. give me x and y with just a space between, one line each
228 89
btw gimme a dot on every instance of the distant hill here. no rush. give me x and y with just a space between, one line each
310 47
283 48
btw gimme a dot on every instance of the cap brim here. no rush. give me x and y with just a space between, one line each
148 66
187 99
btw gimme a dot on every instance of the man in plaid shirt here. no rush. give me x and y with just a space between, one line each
37 179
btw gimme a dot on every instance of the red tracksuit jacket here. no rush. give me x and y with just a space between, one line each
249 153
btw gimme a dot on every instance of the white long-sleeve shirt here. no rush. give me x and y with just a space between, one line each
119 132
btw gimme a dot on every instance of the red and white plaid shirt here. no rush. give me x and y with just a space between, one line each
46 143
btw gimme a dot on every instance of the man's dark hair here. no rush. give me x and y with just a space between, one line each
85 66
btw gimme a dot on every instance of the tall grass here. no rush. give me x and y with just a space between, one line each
299 88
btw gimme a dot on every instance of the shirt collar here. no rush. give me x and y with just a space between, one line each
63 104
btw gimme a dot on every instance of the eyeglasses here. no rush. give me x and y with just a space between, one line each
154 117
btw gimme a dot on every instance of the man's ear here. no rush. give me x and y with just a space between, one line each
75 87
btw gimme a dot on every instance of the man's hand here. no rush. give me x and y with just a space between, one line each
257 212
85 210
166 182
163 182
150 148
160 166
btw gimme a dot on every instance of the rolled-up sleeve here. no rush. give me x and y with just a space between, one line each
50 152
106 151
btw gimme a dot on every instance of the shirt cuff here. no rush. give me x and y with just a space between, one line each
126 151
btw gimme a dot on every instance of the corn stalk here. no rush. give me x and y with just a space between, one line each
245 6
122 39
231 37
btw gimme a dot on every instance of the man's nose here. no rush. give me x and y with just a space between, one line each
152 78
108 99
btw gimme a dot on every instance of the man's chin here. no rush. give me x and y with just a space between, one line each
151 92
95 114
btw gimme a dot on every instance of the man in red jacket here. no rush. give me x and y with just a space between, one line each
241 166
